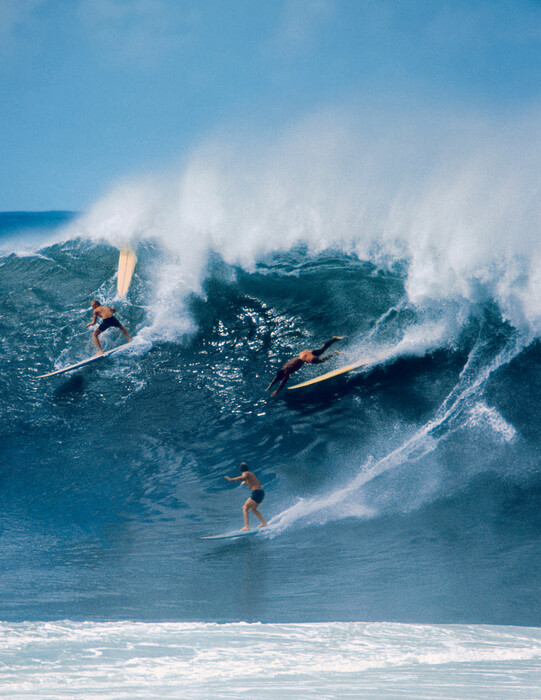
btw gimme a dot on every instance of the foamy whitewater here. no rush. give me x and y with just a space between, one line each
402 553
339 660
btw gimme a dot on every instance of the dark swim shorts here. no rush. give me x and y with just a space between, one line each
108 322
258 495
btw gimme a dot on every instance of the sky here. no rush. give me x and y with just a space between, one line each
94 91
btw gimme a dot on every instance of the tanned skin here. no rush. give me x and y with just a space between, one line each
104 312
312 357
253 483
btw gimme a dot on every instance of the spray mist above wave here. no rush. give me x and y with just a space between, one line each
456 199
461 411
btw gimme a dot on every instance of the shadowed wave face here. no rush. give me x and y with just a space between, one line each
407 490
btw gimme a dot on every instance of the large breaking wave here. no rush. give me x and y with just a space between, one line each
416 239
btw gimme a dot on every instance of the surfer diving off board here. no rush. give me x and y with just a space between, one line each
257 496
106 313
312 357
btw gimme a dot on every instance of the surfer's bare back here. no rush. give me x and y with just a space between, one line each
306 356
253 483
106 313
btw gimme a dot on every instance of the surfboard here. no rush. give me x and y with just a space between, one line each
126 266
232 535
329 375
83 363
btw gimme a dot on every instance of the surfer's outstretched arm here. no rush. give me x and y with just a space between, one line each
94 319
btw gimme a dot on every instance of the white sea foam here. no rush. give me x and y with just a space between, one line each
455 198
460 409
482 416
435 330
331 660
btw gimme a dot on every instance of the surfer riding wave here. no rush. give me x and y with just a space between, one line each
106 313
306 356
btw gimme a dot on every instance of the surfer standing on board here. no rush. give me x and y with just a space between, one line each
312 357
107 314
252 482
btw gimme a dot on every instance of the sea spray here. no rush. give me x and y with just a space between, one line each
455 200
460 408
418 491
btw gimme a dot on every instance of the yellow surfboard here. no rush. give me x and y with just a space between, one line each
126 266
329 375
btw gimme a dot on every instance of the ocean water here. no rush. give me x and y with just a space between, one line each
325 660
402 553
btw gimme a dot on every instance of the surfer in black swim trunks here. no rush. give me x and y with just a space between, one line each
312 357
256 497
106 313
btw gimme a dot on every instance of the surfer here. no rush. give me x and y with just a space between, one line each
312 357
106 313
256 496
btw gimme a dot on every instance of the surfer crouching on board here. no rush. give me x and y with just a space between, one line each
312 357
252 482
106 313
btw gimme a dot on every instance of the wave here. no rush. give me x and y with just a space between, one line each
460 410
418 243
333 660
455 200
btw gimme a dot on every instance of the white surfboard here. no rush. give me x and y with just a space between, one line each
126 266
329 375
83 363
232 535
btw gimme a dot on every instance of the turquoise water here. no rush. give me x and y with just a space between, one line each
406 484
402 498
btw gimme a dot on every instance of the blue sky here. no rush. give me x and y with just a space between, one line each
92 91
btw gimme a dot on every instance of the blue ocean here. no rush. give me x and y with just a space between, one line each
402 556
